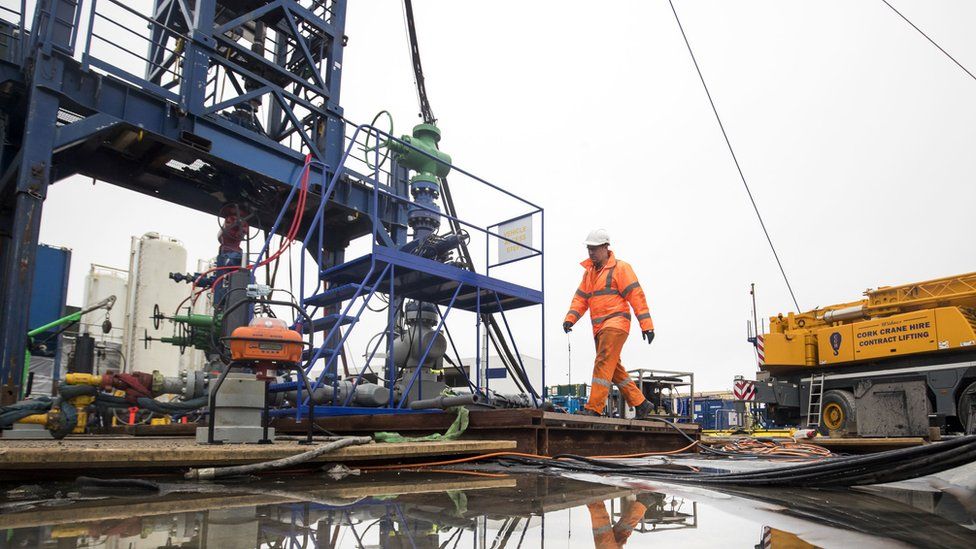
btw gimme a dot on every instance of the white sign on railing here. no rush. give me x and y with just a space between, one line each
519 230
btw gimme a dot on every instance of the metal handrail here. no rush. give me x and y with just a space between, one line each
95 17
316 227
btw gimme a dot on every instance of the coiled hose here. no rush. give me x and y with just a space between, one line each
880 468
290 461
67 420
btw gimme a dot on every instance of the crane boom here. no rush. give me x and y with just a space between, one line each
898 362
933 315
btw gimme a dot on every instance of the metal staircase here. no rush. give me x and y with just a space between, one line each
346 290
224 102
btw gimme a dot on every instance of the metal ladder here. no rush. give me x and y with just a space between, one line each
814 405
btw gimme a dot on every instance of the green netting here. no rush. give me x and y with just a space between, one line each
452 433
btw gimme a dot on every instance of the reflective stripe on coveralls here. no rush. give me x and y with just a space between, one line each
606 535
606 368
609 294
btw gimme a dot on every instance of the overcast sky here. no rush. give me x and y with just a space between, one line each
856 136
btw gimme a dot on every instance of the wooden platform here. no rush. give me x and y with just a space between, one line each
90 454
533 431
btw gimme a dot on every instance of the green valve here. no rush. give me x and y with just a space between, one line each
195 320
425 138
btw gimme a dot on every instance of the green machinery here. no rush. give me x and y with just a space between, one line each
189 330
106 304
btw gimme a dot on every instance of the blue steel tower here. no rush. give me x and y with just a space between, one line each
233 96
222 106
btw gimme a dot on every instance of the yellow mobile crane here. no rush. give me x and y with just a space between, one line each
895 363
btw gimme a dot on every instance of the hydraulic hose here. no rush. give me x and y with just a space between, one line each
19 410
173 407
883 467
117 483
68 418
443 402
835 472
208 473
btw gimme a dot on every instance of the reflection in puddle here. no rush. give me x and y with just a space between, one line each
448 510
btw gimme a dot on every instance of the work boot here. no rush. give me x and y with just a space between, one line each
586 412
643 410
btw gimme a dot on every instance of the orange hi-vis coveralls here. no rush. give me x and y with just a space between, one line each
613 536
609 294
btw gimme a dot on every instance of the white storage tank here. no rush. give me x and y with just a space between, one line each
100 283
152 258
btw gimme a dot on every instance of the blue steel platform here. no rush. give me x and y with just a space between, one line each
234 103
422 279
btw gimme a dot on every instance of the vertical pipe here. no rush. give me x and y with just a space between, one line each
487 252
391 320
430 345
542 283
521 364
477 338
23 30
88 35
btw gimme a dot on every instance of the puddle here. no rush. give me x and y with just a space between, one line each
449 509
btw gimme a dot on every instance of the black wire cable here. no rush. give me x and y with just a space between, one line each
48 336
498 339
734 158
927 37
878 468
418 69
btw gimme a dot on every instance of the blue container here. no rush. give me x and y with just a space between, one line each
50 292
711 413
571 404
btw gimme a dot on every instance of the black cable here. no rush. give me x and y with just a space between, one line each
54 335
125 366
498 338
704 448
734 158
366 303
118 483
323 429
927 37
878 468
418 70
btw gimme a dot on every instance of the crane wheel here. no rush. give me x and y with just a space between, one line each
964 405
838 414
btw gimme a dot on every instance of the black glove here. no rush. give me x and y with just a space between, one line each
648 335
567 327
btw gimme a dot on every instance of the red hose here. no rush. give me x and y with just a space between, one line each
296 224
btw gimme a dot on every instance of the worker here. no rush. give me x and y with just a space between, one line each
606 535
609 290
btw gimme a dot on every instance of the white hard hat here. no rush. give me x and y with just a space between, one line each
597 237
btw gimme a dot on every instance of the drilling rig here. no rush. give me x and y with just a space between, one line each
232 108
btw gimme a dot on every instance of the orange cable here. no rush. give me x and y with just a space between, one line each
516 454
450 461
648 454
471 473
